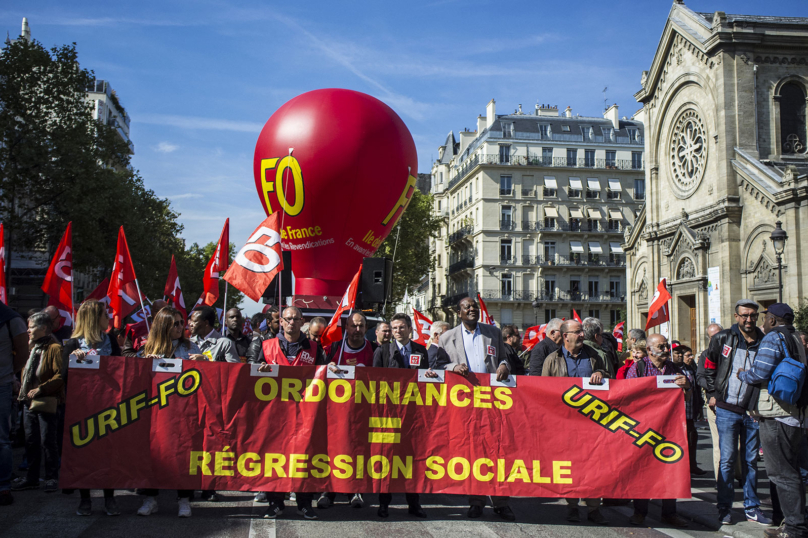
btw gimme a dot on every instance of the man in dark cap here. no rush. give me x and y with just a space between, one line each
781 432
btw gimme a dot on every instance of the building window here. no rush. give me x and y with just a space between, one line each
593 224
575 224
594 288
592 193
565 128
614 288
549 223
639 189
440 175
549 251
438 288
549 287
611 159
792 118
636 160
507 130
589 158
575 288
549 313
506 218
612 195
504 154
632 135
505 251
547 156
544 130
439 260
505 185
614 317
594 313
572 157
507 286
614 225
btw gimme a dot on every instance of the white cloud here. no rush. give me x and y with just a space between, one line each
183 196
166 147
195 122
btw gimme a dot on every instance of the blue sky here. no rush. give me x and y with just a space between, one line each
200 78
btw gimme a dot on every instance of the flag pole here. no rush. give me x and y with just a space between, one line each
224 306
344 335
142 306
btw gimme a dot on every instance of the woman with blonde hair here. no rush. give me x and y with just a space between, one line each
90 338
167 341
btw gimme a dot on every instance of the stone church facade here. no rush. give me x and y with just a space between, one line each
724 108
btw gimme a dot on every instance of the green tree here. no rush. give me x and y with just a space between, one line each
412 233
801 316
192 262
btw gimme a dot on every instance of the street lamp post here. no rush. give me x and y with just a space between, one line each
778 238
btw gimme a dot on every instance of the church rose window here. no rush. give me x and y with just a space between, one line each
688 152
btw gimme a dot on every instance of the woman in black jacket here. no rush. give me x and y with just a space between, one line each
90 338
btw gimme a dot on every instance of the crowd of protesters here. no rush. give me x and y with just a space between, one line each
726 383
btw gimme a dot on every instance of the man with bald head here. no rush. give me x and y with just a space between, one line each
384 334
573 359
658 362
137 333
60 330
290 348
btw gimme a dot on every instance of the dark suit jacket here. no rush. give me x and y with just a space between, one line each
539 353
390 357
438 358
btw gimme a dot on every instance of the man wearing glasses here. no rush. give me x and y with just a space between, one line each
290 348
730 351
574 359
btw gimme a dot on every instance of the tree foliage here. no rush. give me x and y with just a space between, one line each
801 316
193 262
412 258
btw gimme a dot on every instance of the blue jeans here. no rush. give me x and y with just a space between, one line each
5 436
733 428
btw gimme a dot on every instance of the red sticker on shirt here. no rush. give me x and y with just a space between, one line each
726 351
415 360
492 351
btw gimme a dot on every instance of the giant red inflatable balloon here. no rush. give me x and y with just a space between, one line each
342 166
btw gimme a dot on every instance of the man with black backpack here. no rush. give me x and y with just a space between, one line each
729 351
780 368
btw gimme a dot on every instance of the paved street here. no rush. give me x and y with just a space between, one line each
36 513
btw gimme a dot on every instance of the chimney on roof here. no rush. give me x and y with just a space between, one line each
491 113
481 123
612 115
568 112
547 110
26 30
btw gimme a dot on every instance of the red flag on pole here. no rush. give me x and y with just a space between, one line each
575 316
58 282
333 333
658 311
257 263
173 290
123 290
484 317
618 334
533 336
3 286
422 326
217 265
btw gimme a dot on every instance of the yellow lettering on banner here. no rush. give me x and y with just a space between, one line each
251 469
537 477
224 460
622 422
412 394
608 418
500 470
123 412
290 387
343 463
200 460
360 466
194 376
274 462
455 398
481 397
75 432
561 469
518 470
296 461
314 396
503 394
436 392
137 403
165 388
368 392
649 438
464 466
434 465
106 419
597 408
346 392
477 470
259 389
372 467
385 391
403 467
570 394
675 456
320 462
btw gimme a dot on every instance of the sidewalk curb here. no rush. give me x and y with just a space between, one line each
741 529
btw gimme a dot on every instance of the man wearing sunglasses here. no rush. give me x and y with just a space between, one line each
730 351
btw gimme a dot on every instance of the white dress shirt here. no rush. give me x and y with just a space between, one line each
475 352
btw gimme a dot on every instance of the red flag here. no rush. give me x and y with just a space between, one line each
533 336
484 317
658 311
257 263
58 282
100 294
218 264
422 326
618 334
575 316
333 333
122 291
173 291
3 286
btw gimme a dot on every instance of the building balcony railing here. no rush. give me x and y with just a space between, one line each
582 260
451 300
560 227
507 225
530 259
507 260
558 296
460 234
465 263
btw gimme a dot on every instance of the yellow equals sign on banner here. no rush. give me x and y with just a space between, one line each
384 423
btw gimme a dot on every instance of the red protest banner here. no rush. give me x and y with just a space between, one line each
208 425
